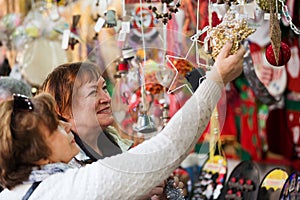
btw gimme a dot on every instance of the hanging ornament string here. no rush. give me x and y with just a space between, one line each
209 14
207 39
164 34
197 32
165 51
285 11
195 37
142 74
142 33
123 8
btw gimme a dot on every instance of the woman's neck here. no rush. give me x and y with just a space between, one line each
90 137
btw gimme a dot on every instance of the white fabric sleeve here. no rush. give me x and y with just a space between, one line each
132 174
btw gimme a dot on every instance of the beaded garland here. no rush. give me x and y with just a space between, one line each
231 28
166 16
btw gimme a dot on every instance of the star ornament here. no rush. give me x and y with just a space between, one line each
177 83
181 66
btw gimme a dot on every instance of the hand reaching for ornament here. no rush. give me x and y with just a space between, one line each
227 67
155 193
170 189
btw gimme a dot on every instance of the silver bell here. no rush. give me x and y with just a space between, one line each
145 124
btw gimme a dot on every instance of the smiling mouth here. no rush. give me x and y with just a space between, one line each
104 111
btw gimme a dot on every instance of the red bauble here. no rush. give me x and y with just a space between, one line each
284 55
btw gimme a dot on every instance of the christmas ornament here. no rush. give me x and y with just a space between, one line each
275 31
183 66
153 86
290 188
110 19
265 5
145 123
176 82
283 56
166 16
172 192
145 28
243 182
232 28
73 40
272 184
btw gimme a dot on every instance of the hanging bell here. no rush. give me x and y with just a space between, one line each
145 124
110 19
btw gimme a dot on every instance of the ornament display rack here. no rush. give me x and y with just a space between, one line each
233 26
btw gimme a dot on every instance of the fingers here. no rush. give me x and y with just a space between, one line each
162 184
181 185
176 181
155 197
157 191
229 66
241 51
224 53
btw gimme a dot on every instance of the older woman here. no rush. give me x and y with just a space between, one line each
83 100
36 147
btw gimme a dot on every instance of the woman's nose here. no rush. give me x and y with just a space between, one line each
104 97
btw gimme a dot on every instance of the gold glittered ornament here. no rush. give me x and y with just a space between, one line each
275 31
233 28
265 5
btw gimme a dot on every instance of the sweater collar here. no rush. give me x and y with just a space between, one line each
42 172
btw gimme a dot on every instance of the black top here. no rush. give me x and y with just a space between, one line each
106 144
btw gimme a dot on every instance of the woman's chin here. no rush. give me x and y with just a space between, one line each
104 123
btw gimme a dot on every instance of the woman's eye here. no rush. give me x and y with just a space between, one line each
93 93
104 88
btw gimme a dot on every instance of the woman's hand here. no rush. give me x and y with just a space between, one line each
155 193
227 67
159 192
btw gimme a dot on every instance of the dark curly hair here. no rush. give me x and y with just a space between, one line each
22 138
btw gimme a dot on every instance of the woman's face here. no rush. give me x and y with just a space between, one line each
62 144
91 107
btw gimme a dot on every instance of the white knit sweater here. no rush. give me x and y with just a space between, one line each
129 175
